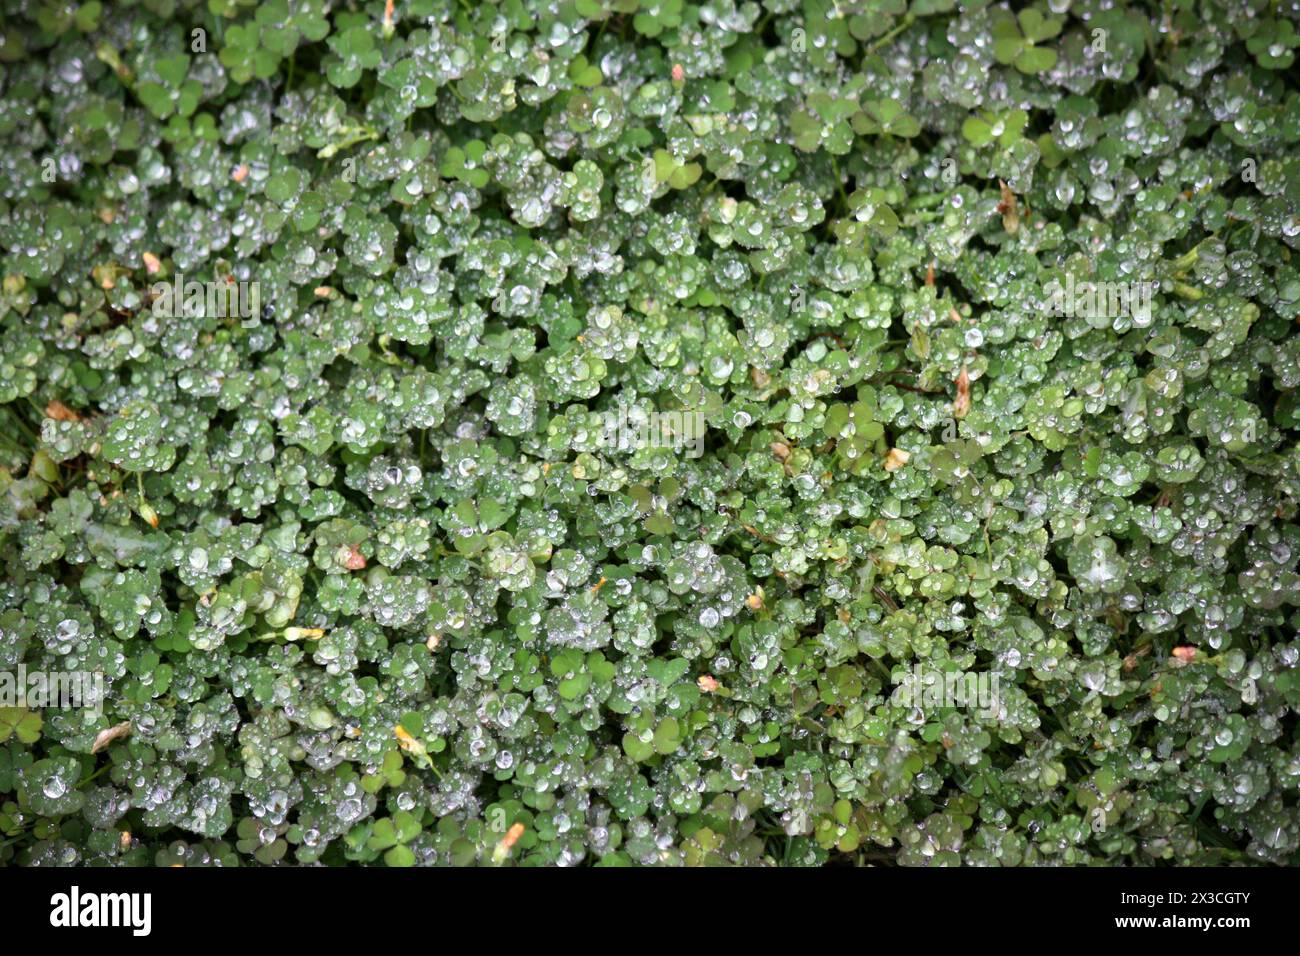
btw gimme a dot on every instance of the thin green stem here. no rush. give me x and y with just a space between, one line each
903 24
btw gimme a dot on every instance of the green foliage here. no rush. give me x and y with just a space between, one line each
987 320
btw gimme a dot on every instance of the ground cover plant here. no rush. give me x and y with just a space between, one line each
649 432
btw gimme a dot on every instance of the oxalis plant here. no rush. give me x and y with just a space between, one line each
649 432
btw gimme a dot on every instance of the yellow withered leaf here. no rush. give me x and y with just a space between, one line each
106 737
896 459
961 404
412 746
